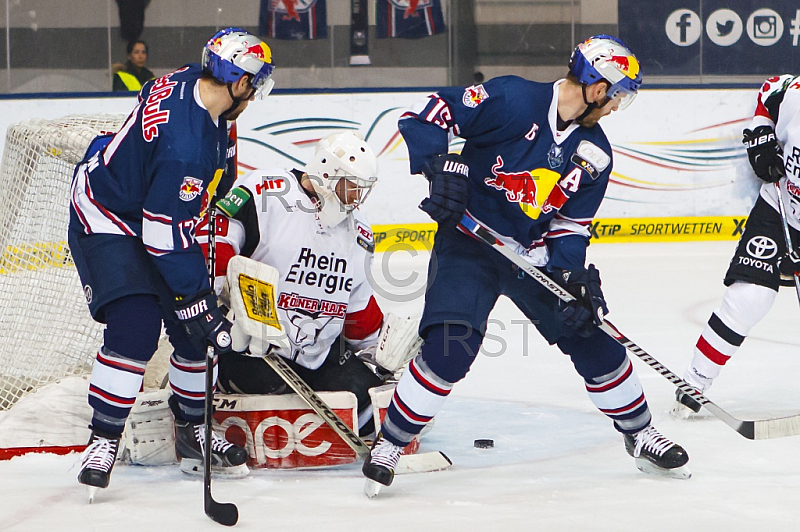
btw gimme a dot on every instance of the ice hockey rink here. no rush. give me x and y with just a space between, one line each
557 463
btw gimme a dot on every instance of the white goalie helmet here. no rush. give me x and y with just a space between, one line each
342 171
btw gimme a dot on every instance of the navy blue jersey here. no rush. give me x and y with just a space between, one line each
529 182
155 175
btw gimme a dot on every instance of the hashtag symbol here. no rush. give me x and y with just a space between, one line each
794 30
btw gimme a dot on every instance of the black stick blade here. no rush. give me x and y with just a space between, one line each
224 513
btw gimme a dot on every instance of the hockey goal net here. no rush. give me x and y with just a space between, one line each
47 332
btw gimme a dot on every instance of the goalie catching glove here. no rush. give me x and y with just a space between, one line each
397 343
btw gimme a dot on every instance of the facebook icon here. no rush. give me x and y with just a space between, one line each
683 22
683 27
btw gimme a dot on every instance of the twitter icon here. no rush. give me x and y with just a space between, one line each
724 27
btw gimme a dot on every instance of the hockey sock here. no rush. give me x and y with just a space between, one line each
423 390
133 325
115 382
187 378
619 396
743 305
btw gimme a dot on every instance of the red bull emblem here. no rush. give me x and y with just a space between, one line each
261 51
474 96
190 188
528 188
628 65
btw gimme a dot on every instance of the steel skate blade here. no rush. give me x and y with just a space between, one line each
91 491
680 473
371 488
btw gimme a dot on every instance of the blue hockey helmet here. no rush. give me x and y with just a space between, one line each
233 52
603 57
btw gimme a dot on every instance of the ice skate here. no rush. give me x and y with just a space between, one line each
98 461
227 460
656 454
685 406
379 469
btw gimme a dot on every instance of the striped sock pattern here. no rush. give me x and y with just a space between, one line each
743 305
619 396
419 396
114 384
187 378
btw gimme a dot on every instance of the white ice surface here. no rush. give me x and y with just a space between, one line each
557 464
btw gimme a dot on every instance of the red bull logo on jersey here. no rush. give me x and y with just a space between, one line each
474 96
530 189
190 188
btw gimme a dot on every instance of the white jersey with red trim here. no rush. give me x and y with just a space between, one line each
323 290
779 106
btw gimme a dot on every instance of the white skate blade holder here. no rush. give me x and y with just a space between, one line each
411 463
195 468
371 488
680 411
645 466
91 491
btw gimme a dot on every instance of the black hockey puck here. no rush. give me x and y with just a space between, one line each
483 444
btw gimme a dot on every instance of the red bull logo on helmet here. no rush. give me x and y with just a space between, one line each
530 189
261 51
190 188
627 64
474 96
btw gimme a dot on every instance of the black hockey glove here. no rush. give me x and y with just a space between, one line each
449 188
589 306
764 152
789 264
204 322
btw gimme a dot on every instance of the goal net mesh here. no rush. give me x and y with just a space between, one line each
46 332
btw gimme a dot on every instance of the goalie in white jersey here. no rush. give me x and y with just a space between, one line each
762 261
307 225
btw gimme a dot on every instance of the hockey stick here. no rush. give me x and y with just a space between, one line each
411 463
752 430
224 513
786 234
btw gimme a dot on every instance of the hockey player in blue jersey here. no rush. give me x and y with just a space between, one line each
135 202
533 170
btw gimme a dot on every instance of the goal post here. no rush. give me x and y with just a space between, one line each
46 332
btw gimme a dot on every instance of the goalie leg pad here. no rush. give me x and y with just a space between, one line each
149 437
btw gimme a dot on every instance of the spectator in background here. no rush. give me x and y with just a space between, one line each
133 74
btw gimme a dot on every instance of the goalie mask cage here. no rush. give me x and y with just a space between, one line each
45 328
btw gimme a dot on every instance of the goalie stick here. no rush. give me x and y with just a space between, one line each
752 430
786 235
224 513
411 463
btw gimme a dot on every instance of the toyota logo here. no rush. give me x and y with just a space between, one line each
762 247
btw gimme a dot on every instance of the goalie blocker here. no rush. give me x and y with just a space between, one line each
278 431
